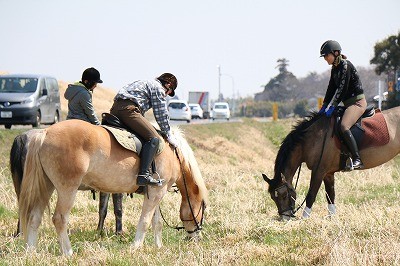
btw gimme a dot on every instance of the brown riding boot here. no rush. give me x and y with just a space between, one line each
352 146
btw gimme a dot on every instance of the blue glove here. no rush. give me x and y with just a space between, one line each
322 110
330 111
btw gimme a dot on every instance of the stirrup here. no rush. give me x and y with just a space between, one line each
358 164
144 180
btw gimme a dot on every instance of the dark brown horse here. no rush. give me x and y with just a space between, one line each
18 152
311 141
72 153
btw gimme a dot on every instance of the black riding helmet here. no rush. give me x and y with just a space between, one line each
171 79
91 74
329 47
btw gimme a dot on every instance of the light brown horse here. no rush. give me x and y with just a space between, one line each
18 152
74 152
311 141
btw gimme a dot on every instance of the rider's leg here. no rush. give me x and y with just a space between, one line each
350 117
145 176
132 117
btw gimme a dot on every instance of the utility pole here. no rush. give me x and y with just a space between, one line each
219 82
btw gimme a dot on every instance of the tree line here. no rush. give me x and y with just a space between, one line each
297 96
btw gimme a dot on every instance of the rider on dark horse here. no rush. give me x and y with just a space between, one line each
344 86
130 104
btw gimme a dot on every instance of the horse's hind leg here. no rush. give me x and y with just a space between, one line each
64 205
103 205
157 227
35 219
117 201
329 182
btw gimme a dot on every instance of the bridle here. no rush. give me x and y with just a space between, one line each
201 210
278 191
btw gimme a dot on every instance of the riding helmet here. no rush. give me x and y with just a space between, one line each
329 47
91 74
171 79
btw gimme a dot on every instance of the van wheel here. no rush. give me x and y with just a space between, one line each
8 126
38 119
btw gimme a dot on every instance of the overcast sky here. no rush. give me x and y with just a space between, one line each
131 40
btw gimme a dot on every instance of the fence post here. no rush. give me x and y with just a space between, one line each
275 111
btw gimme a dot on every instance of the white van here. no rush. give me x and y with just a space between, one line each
29 100
221 110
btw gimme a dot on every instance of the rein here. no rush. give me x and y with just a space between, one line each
201 210
319 161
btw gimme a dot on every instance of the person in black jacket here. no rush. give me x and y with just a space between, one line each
344 86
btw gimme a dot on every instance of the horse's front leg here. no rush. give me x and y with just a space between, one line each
152 198
329 182
315 184
157 227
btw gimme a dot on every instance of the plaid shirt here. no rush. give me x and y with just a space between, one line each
148 94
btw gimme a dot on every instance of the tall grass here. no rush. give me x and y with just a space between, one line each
241 226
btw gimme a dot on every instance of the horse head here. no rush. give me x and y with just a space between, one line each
192 188
283 194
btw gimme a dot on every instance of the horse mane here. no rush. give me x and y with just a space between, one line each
190 161
294 138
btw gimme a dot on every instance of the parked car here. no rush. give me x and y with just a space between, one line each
196 110
29 100
221 110
179 110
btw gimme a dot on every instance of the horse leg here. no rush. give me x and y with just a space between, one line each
157 227
117 201
35 219
329 182
103 205
64 205
151 201
315 184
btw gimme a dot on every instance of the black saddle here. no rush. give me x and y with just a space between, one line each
108 119
356 129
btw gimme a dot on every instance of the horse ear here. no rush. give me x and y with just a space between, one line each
266 179
283 178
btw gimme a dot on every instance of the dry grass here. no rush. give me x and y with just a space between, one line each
241 224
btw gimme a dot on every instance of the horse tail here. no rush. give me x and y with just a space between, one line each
17 160
34 191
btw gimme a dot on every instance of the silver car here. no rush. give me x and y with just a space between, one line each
29 100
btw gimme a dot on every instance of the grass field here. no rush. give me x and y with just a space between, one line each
241 226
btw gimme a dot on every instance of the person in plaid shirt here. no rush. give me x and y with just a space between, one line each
130 105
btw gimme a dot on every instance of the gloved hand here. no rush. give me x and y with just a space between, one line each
329 112
173 141
322 110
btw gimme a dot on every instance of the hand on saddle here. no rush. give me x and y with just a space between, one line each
330 111
173 141
322 110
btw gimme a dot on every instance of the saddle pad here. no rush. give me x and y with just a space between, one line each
128 140
376 131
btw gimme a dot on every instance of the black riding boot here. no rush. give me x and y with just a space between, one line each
352 145
145 176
